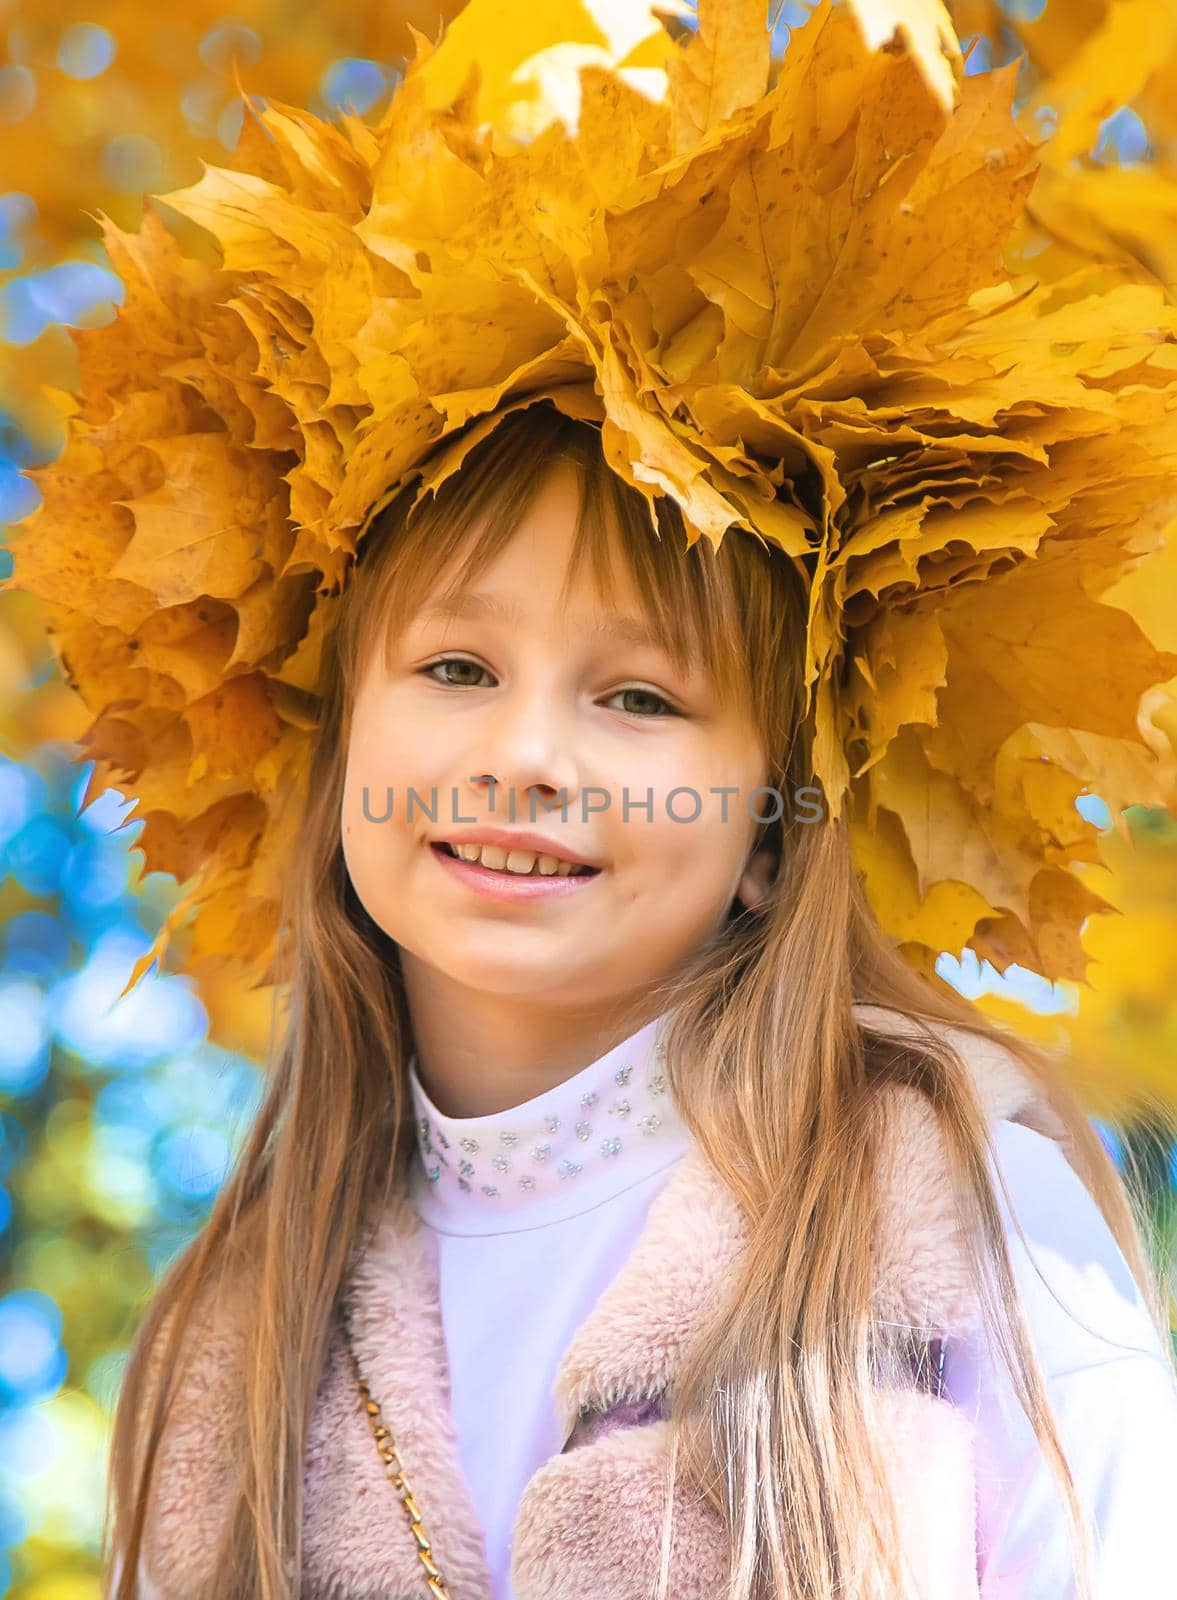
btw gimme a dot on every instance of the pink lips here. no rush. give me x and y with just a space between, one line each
509 886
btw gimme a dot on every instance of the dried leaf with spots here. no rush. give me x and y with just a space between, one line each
926 28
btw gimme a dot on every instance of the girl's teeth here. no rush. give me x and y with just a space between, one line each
520 863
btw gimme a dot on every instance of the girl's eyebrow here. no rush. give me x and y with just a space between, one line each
625 630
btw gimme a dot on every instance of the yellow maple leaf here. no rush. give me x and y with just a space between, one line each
926 27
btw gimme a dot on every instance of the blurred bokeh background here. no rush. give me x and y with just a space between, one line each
119 1116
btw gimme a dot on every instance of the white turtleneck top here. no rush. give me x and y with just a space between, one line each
535 1210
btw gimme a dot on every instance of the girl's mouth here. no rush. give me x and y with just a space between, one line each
498 883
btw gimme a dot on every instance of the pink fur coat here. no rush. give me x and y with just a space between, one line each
587 1525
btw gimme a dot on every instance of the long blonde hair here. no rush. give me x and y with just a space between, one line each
776 1079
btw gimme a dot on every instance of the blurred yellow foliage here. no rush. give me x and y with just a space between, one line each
169 96
1083 61
1121 1038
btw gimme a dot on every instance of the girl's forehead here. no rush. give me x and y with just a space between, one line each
588 611
594 586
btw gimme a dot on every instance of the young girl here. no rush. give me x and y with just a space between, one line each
568 1178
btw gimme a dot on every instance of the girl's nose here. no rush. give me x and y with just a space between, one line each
531 745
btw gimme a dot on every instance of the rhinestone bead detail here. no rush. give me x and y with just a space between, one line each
507 1162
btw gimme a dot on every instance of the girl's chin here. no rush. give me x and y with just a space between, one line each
537 985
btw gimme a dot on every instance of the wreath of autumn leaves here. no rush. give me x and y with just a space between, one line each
789 294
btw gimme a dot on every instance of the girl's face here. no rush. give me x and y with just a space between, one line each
560 705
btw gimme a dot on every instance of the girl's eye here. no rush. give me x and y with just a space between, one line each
446 662
648 694
452 661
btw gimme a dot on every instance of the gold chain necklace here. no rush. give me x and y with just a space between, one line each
396 1474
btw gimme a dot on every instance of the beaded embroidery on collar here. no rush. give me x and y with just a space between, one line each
617 1111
